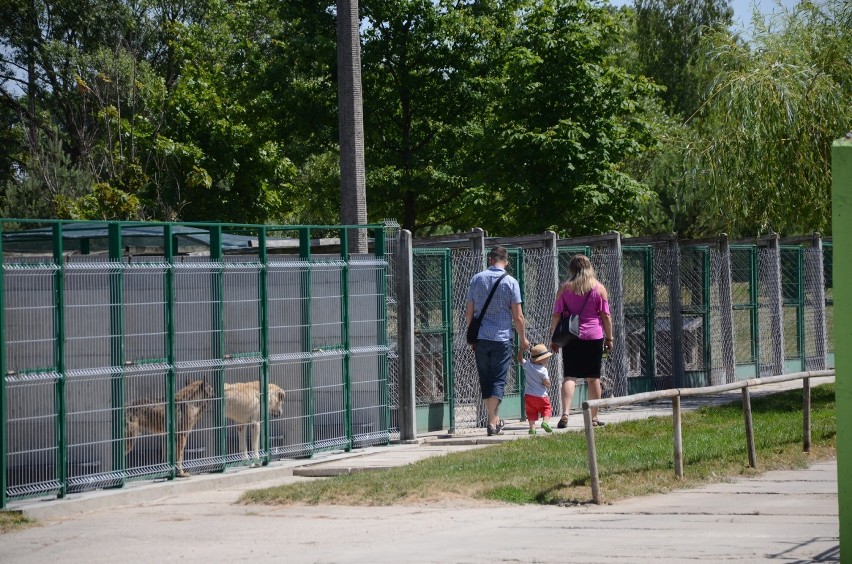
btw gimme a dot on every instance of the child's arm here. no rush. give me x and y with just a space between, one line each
546 380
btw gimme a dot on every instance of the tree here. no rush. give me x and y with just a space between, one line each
668 34
427 67
756 158
566 119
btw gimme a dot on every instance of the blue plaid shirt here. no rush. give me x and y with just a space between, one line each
497 323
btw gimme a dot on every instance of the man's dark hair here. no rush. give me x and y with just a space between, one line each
499 253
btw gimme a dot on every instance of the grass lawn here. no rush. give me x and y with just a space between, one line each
634 458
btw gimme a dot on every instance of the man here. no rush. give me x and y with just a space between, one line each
493 350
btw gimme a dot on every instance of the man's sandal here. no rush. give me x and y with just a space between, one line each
563 422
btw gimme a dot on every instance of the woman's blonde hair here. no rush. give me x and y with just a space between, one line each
581 275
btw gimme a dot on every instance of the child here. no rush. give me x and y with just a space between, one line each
536 400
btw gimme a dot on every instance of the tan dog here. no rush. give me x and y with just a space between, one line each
149 415
242 405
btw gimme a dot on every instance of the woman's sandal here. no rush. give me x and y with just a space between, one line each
597 423
563 421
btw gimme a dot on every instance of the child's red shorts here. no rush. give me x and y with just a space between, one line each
536 406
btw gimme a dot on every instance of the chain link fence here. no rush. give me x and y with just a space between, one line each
685 313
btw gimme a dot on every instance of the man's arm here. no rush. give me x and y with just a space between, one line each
468 313
520 325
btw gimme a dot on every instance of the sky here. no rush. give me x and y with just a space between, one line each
742 9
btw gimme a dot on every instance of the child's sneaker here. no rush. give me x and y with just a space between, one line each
546 426
532 431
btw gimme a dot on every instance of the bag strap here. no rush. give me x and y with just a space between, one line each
490 295
584 302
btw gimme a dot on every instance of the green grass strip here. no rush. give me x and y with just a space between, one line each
634 458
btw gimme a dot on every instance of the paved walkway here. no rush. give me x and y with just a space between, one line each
786 516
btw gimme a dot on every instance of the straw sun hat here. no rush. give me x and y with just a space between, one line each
539 352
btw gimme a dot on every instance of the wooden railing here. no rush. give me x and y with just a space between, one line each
676 393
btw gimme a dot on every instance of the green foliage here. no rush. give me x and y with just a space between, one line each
566 120
668 36
757 155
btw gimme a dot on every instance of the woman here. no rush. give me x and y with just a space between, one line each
582 294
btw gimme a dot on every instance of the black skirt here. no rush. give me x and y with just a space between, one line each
582 359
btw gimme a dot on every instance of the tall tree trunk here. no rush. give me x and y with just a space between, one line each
353 193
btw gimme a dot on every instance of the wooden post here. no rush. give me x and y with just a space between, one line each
678 437
749 428
405 293
806 414
593 455
726 311
675 314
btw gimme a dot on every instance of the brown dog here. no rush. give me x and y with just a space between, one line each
149 415
242 405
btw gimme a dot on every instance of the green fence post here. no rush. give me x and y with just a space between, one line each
755 312
307 335
169 251
116 324
841 187
59 359
264 343
3 414
344 311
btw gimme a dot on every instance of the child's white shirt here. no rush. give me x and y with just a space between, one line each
535 376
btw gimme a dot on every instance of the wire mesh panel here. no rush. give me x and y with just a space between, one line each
33 454
289 336
792 295
722 344
327 370
144 311
241 306
199 417
744 299
771 336
607 264
540 285
93 313
468 398
392 232
663 349
814 317
197 306
695 307
637 267
328 400
368 350
145 419
432 303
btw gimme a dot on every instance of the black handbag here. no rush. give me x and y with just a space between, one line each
473 328
568 329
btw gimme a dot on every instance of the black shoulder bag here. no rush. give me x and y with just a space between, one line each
473 328
568 328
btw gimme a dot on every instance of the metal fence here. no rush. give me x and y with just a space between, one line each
686 313
136 350
153 350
